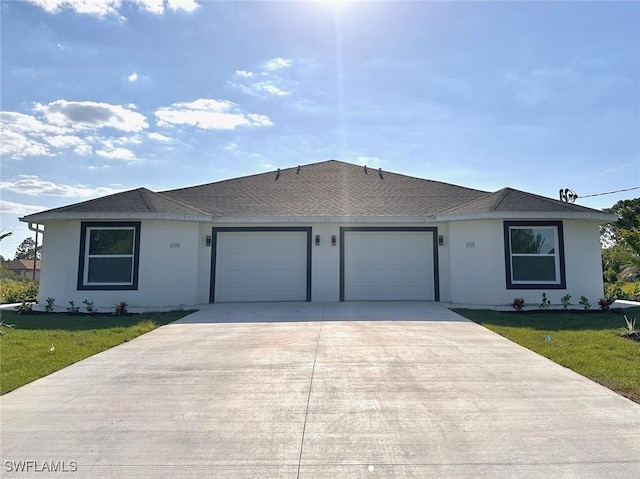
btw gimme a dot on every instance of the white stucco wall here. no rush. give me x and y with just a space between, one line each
168 277
471 264
478 266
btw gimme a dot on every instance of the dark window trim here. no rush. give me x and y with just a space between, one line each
258 229
426 229
507 255
136 255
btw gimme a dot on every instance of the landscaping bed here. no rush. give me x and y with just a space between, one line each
38 344
588 342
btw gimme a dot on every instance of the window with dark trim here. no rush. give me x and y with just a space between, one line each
534 255
109 255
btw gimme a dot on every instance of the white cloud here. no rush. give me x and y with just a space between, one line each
158 137
268 81
32 185
99 8
259 120
17 145
9 207
185 5
208 114
23 135
64 141
83 150
152 6
116 154
82 115
277 64
133 77
105 8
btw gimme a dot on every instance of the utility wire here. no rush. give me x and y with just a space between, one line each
609 192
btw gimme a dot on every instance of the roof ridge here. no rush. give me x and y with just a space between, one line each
545 198
178 202
502 196
468 202
139 191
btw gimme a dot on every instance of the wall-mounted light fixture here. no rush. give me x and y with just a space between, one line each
207 241
317 240
440 240
333 240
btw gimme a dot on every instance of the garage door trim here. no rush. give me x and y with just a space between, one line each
214 252
425 229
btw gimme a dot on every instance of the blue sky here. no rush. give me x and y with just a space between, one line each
99 97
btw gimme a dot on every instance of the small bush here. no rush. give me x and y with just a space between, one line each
121 309
24 308
50 305
73 309
566 301
16 290
629 331
546 302
4 325
89 306
584 301
518 304
604 303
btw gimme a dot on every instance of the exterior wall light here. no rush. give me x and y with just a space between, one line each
333 240
440 240
317 240
207 241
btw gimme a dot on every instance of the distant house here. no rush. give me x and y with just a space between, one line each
23 268
328 231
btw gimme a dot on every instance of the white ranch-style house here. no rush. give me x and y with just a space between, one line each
328 231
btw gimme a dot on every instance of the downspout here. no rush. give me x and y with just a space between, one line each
34 227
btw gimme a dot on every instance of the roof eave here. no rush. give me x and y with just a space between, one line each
595 216
46 216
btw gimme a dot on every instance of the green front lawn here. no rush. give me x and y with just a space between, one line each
589 344
25 349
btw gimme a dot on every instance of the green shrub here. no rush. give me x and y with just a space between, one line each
16 290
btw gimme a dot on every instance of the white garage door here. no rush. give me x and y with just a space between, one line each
388 265
261 266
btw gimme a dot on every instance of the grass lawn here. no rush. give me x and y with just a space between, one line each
589 344
25 350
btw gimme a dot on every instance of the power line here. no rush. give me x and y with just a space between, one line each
609 192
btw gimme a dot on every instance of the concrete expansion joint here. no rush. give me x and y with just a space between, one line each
306 412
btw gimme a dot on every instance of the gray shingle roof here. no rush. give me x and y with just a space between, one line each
328 188
140 200
508 199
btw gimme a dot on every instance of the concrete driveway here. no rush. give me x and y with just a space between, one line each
320 391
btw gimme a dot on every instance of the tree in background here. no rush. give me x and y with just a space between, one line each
27 250
628 212
621 244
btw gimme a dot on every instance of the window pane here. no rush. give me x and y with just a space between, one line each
111 242
110 270
533 268
532 240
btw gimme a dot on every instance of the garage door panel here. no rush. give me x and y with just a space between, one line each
388 265
261 266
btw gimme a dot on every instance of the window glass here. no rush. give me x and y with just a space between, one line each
533 268
532 241
111 241
110 270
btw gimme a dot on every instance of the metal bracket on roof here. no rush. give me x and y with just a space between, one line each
380 173
277 174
